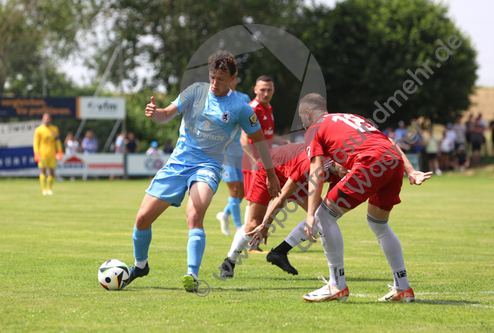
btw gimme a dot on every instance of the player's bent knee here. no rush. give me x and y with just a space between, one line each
144 221
327 213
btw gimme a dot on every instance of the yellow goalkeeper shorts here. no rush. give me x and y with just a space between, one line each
49 163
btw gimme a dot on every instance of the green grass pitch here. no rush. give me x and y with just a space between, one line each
52 246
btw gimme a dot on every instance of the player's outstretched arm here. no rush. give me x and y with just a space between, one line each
272 181
315 189
261 231
161 116
415 177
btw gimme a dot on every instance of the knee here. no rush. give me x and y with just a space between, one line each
194 219
251 224
143 221
235 191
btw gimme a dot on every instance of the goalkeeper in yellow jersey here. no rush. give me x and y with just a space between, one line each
47 150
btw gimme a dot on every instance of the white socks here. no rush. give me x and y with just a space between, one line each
141 264
246 215
239 244
332 241
391 247
297 235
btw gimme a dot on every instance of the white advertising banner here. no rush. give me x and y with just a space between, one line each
101 108
18 134
79 166
145 165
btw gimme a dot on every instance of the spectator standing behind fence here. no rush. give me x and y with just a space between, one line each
418 148
71 147
432 150
399 134
153 149
89 143
133 145
461 133
119 143
462 160
169 147
491 126
477 138
468 138
447 146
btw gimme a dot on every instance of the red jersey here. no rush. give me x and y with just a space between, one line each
344 137
266 120
291 161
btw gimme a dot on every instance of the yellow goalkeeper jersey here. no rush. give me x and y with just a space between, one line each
47 141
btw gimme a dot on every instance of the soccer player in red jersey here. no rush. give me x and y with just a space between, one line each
291 167
264 90
376 169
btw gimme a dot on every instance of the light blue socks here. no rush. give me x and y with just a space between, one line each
142 239
234 204
195 249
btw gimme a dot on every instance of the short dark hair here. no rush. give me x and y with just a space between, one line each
223 61
265 78
313 102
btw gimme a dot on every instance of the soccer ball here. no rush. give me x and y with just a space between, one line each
113 275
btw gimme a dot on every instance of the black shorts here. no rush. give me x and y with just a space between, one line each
431 156
476 146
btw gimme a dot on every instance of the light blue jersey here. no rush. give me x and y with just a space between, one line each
235 149
210 124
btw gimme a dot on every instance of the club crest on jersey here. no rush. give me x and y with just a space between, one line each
225 117
253 120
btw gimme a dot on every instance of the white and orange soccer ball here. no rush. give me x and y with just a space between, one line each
113 275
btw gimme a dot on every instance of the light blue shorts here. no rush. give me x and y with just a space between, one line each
233 170
232 174
173 180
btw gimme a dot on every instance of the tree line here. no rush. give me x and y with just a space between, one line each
368 51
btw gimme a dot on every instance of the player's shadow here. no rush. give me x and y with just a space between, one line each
250 289
449 302
292 278
138 289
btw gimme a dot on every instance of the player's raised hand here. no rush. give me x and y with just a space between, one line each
418 177
151 108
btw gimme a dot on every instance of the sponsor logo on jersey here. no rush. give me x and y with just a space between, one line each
206 125
253 120
225 117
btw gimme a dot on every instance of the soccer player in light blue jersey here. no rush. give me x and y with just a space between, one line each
212 117
233 177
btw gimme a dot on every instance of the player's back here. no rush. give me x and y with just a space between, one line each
343 137
286 157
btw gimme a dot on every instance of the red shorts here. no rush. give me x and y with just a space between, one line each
376 177
259 191
248 179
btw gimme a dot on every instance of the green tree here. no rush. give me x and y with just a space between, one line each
167 33
36 35
366 47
